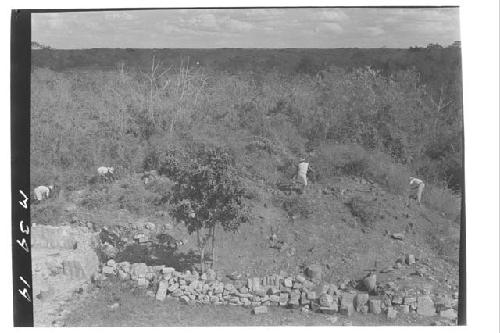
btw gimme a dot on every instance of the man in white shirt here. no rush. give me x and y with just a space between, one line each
416 188
302 171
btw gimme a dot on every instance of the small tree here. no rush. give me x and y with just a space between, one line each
207 194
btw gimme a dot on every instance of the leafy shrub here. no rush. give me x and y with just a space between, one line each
252 191
259 167
162 187
286 134
250 117
443 200
262 144
137 200
130 193
356 167
127 193
48 212
440 238
95 198
158 148
366 211
288 169
353 160
336 160
43 174
172 163
385 171
298 206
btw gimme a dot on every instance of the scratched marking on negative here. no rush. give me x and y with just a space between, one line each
24 245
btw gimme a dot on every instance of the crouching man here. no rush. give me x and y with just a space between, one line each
106 173
43 192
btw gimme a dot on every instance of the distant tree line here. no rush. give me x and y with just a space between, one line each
36 45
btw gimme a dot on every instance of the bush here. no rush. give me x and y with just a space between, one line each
162 187
288 169
336 160
353 160
96 198
43 174
252 190
137 200
385 171
48 212
260 168
356 167
366 211
287 135
262 144
298 206
130 193
158 148
443 200
441 239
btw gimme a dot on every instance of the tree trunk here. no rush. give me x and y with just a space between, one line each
202 259
171 128
327 128
201 248
213 246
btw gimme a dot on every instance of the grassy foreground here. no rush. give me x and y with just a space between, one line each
138 309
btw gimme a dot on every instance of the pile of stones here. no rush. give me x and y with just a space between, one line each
63 262
306 293
115 239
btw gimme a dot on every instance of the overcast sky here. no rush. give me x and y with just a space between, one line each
248 28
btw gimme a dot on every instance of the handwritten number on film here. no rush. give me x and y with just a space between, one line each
25 292
25 230
23 243
24 203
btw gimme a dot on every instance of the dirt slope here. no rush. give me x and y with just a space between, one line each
323 230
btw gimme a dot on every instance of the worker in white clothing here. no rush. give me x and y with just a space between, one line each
302 171
416 189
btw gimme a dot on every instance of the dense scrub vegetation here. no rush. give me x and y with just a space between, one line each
384 124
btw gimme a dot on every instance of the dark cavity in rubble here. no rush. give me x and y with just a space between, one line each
160 249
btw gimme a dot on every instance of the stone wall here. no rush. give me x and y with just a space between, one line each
62 237
63 261
307 293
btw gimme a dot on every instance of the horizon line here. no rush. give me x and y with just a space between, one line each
235 48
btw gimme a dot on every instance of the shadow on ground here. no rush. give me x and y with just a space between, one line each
158 255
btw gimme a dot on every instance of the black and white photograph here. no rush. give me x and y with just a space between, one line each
281 166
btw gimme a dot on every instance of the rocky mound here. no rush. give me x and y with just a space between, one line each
63 261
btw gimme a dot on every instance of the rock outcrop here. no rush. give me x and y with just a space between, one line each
63 261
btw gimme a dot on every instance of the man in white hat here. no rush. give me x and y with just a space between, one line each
416 189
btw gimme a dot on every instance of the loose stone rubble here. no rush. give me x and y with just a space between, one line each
63 262
305 292
309 294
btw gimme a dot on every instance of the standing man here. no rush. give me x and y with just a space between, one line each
302 171
416 189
